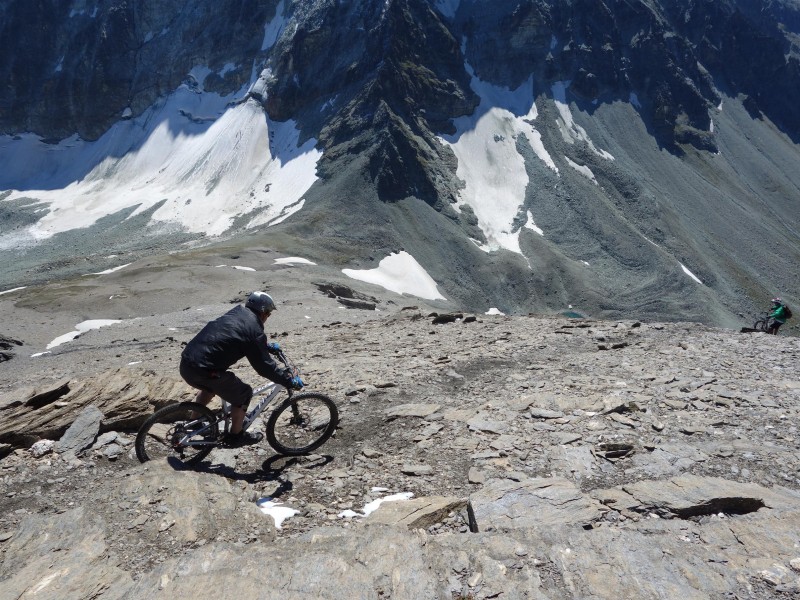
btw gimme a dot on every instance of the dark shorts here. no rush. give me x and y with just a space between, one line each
224 384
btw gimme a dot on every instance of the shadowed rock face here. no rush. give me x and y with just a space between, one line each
78 70
68 70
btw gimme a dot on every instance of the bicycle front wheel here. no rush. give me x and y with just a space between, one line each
302 424
760 325
187 432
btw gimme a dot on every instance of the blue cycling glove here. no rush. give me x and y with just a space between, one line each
297 383
273 348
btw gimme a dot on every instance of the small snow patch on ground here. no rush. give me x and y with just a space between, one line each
293 260
276 510
494 311
401 273
107 271
80 328
371 507
582 169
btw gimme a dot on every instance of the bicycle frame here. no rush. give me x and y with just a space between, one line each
263 402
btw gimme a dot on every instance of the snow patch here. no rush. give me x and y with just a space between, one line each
531 224
16 289
494 311
273 29
485 144
237 267
293 260
371 507
448 8
107 271
276 510
197 160
582 169
401 273
80 328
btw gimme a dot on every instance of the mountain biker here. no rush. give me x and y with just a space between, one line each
778 316
222 342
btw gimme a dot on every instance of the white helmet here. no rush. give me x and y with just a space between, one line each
260 302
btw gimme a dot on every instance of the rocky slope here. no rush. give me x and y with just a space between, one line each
547 457
628 158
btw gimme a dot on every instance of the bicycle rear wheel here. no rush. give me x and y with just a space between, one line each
760 325
302 424
187 432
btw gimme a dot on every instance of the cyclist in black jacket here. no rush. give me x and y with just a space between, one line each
237 334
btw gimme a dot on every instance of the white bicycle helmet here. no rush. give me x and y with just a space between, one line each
260 302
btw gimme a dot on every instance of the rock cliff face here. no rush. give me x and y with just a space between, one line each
616 156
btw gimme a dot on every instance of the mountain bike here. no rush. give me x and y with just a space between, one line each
189 431
764 322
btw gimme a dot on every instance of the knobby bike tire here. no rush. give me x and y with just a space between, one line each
302 424
760 325
160 435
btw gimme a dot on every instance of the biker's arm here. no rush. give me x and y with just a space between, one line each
262 362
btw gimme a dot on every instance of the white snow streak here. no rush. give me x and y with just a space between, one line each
293 260
570 130
582 169
690 274
16 289
107 271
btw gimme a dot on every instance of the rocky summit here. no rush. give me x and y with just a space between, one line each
478 456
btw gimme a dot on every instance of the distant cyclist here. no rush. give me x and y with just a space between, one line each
237 334
778 316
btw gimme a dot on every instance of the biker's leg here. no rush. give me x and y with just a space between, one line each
204 397
237 419
238 394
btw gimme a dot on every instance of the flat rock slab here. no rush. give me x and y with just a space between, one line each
417 513
540 502
690 495
543 413
411 410
485 425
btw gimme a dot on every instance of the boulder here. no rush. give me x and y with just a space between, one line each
125 396
81 434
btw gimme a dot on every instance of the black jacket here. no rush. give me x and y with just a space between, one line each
231 337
